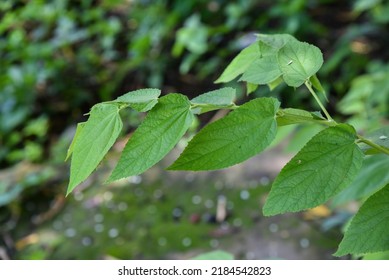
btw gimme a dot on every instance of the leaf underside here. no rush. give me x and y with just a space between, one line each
298 61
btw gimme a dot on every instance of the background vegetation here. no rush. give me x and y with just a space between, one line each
58 58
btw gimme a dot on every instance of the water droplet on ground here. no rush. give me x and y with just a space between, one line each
70 232
113 232
244 195
273 228
186 241
196 199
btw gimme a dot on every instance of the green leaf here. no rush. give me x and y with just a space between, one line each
79 128
140 96
379 137
301 136
250 88
317 85
292 116
373 176
324 167
141 100
94 140
276 41
273 84
213 100
377 256
262 71
144 107
368 230
215 255
243 60
162 128
298 61
240 135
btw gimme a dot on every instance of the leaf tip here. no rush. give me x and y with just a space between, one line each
267 211
219 80
340 252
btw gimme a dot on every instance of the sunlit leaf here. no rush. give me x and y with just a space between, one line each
94 140
240 135
298 61
162 128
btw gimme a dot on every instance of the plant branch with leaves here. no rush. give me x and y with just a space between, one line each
322 169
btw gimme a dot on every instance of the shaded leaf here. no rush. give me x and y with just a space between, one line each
213 100
240 135
379 137
317 85
162 128
250 88
374 174
368 230
95 139
273 84
324 167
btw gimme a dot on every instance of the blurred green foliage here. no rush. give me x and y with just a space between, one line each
59 57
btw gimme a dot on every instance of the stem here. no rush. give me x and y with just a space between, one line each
373 145
308 85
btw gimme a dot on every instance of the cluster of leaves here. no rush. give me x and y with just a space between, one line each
41 42
115 43
325 166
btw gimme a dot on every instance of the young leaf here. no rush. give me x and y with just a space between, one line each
240 135
250 88
276 41
244 59
368 230
140 96
298 61
79 128
324 167
317 85
94 140
141 100
273 84
373 176
144 107
162 128
216 99
262 71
